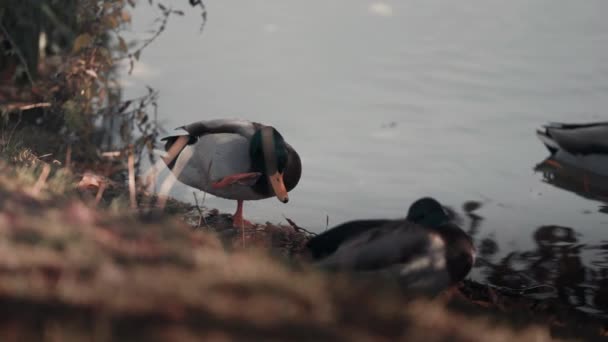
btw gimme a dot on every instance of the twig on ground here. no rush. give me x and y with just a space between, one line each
44 175
100 191
177 169
10 136
243 232
20 106
68 157
111 154
201 217
151 175
131 166
35 105
298 228
45 155
163 194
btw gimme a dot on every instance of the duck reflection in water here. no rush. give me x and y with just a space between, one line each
554 268
555 263
579 158
575 179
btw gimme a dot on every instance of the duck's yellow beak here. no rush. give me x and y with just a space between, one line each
276 181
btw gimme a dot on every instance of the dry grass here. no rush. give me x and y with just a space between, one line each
74 267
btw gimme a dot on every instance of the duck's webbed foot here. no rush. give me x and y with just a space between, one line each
238 222
237 219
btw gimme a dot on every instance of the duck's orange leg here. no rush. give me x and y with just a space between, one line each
237 219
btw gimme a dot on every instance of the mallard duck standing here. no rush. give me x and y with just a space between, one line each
425 251
234 159
581 145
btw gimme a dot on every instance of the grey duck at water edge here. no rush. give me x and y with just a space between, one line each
583 145
234 159
425 252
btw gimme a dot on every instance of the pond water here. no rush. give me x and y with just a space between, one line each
390 101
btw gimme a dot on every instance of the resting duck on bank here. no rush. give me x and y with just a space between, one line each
582 145
425 251
234 159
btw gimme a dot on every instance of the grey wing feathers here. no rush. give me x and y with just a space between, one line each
197 129
389 244
241 127
581 139
574 125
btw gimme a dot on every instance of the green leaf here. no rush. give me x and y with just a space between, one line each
82 41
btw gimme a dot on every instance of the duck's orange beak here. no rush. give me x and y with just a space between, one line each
276 181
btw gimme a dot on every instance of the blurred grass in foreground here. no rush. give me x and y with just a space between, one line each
77 268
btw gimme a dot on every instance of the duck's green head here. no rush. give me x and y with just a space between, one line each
427 211
268 152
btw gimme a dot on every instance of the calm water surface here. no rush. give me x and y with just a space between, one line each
387 102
